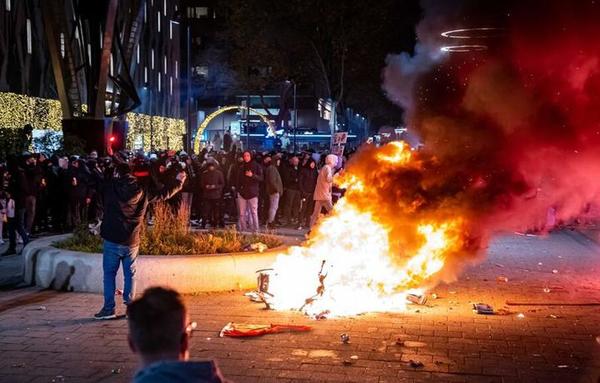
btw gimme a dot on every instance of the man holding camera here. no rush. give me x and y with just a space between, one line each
125 203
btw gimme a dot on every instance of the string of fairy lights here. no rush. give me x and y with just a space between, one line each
17 110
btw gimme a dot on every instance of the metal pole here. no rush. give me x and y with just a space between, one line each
151 120
247 122
295 117
189 87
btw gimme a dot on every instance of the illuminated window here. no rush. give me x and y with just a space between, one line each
145 12
176 69
152 59
146 74
165 7
8 5
111 64
165 64
201 12
171 85
137 56
29 43
62 45
159 76
158 21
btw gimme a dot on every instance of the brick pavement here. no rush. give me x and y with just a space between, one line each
47 336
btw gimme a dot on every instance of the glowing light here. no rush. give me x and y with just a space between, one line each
464 48
473 33
395 152
210 117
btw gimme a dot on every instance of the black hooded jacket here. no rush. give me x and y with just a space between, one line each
125 203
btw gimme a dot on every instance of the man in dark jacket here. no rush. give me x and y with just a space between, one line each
308 182
273 188
291 191
249 177
125 203
159 333
212 183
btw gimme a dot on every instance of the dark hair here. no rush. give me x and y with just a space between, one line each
156 321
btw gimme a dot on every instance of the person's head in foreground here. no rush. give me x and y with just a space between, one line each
159 333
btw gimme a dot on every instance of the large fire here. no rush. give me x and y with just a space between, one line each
352 263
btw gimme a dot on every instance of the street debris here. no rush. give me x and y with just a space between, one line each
554 271
552 316
115 371
258 246
239 330
345 338
416 364
41 308
520 315
416 299
434 296
58 378
546 290
502 278
483 309
354 357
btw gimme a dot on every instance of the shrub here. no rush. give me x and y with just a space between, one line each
171 235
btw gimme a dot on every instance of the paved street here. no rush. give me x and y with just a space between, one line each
47 336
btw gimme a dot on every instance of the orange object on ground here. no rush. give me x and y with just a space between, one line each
238 330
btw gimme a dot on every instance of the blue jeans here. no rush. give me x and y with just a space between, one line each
113 255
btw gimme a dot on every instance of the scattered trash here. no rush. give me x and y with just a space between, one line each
417 299
546 290
563 366
42 308
116 371
502 279
258 246
18 365
415 363
554 271
552 316
499 265
322 315
238 330
345 338
434 296
354 357
347 362
520 315
58 378
483 309
451 292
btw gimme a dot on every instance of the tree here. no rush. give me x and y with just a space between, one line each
334 49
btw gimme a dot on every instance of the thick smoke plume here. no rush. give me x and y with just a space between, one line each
511 135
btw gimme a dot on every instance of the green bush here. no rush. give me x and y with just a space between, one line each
171 235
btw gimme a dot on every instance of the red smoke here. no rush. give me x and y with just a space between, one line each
515 130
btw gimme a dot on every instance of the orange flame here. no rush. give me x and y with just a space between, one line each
355 252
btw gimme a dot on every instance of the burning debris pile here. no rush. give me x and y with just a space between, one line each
511 134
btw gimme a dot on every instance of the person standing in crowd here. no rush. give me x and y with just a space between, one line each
227 141
249 177
212 183
322 195
17 190
187 193
273 189
125 203
30 189
308 182
263 196
217 142
3 216
14 226
291 192
159 333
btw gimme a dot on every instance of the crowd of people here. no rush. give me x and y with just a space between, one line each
42 194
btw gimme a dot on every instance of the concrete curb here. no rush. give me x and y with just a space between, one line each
49 267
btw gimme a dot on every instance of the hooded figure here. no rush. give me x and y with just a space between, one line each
322 195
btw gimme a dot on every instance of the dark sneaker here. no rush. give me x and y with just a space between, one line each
105 314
